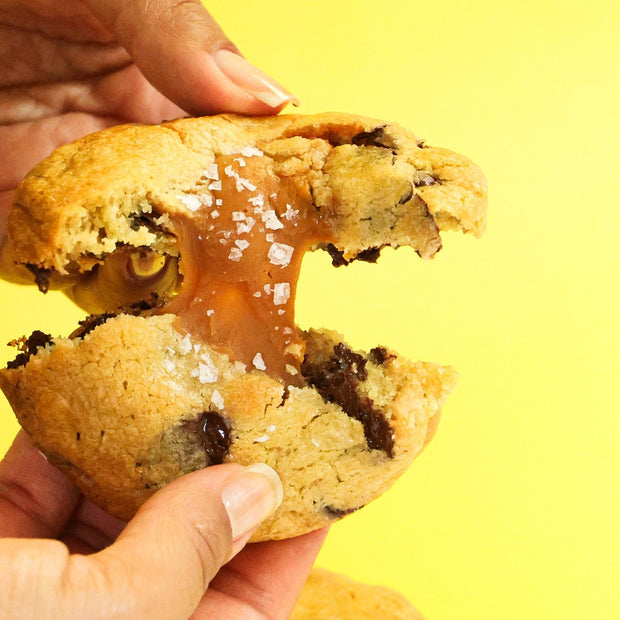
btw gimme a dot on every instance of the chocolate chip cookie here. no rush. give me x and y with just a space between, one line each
184 241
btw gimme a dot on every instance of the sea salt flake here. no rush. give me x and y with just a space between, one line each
259 362
235 254
271 220
290 212
211 172
229 171
217 399
245 227
215 186
251 151
246 184
206 199
238 216
242 244
215 213
185 346
281 293
280 254
219 202
191 201
257 201
269 237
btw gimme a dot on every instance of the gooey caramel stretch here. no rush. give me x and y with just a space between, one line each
240 257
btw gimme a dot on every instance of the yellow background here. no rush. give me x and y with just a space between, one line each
513 510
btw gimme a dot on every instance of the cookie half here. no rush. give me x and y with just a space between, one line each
185 240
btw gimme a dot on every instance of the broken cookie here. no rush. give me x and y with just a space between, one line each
184 241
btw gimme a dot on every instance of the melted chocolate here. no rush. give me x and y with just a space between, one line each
41 276
214 434
336 380
29 347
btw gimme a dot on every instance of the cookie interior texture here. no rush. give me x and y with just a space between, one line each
328 595
186 240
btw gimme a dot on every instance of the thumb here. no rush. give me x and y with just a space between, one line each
161 564
184 53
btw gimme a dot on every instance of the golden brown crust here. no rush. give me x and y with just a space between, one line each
114 411
77 204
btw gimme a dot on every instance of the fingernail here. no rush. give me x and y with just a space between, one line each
254 81
251 497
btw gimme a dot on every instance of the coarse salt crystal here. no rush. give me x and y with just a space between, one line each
240 161
269 237
245 184
270 218
185 346
281 293
211 172
271 428
242 244
219 202
169 365
215 213
217 399
191 201
315 442
206 199
215 186
235 254
280 254
246 226
210 312
251 151
229 171
257 201
207 371
257 294
238 216
262 439
290 212
259 362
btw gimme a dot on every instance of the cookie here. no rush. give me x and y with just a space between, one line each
185 241
330 596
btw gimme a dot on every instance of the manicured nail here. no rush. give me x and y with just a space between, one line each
254 81
250 497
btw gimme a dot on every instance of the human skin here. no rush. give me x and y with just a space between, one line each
67 69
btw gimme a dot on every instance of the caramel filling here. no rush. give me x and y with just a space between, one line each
240 255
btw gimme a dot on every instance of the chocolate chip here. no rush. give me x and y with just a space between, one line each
380 355
29 347
375 137
89 323
369 255
41 276
423 179
336 380
214 433
338 513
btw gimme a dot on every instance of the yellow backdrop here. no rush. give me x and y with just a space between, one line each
513 511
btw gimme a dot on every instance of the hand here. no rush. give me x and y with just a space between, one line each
62 557
73 67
